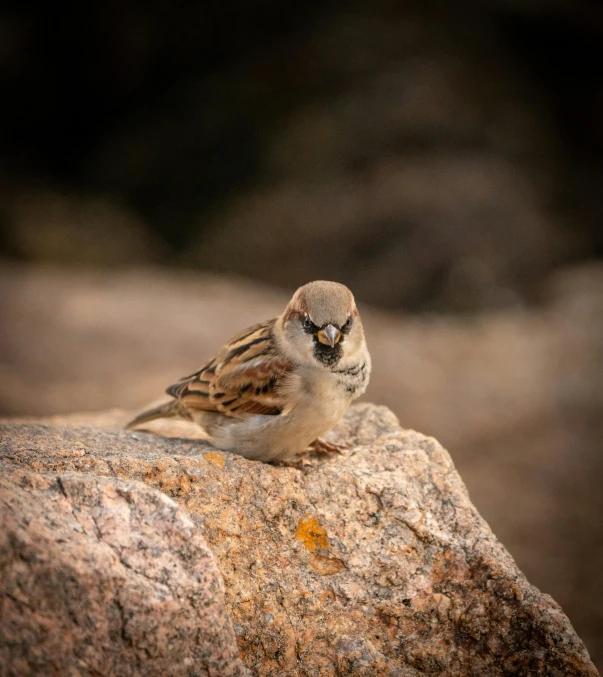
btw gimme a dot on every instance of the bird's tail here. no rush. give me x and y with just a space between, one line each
165 410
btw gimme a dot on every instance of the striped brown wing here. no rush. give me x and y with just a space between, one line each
244 378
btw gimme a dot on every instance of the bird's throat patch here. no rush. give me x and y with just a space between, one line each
327 355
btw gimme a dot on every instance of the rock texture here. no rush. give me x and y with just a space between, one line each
373 563
100 576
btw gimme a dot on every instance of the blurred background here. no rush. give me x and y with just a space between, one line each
171 171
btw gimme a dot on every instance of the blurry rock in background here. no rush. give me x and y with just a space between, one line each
46 225
413 169
432 157
448 232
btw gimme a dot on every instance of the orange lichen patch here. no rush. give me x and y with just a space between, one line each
312 535
215 458
326 566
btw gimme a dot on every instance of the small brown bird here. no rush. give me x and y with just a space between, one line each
275 388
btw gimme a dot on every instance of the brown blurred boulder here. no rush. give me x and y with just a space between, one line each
373 563
449 231
393 147
60 227
410 168
431 155
104 576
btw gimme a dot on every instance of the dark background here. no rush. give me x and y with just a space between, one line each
445 160
432 155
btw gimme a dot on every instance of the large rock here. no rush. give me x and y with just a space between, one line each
101 576
516 396
373 563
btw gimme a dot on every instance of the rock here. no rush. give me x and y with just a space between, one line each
427 234
106 576
372 563
48 225
516 396
419 176
380 146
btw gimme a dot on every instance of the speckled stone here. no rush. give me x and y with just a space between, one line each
100 576
372 563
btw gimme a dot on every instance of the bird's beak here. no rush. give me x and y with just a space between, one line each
329 335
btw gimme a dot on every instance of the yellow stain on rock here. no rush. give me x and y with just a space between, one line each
215 458
312 534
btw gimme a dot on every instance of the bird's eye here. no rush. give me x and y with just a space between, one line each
307 324
347 326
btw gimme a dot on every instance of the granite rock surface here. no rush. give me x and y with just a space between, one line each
371 563
102 576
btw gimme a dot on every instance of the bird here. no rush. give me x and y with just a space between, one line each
276 388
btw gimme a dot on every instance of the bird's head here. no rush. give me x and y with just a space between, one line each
321 323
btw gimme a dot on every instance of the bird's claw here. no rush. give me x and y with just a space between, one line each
324 447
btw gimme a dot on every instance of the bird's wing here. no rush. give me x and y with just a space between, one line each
244 378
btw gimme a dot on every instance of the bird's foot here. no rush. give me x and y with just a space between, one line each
302 464
324 447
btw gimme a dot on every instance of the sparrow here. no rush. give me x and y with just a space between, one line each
275 388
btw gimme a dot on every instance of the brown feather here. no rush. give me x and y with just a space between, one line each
243 379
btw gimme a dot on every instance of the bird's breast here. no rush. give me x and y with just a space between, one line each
316 396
